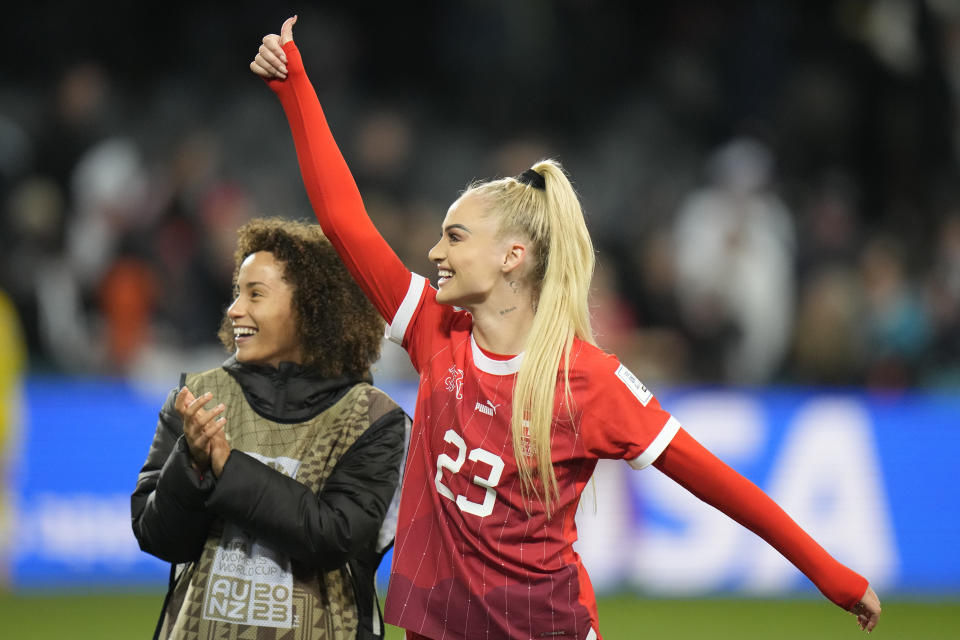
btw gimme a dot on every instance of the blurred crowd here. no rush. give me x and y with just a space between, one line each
772 186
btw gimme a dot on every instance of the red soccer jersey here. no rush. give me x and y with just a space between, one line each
469 561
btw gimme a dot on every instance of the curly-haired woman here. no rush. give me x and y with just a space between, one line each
269 478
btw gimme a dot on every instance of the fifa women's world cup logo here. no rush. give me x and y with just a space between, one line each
455 381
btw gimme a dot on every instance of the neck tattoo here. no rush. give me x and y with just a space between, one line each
513 285
504 312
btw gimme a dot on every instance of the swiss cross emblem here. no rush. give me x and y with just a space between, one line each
455 381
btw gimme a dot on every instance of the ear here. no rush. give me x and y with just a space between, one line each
514 257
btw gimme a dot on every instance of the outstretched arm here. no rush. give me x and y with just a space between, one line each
691 465
333 193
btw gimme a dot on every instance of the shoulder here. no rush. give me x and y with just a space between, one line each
385 423
446 319
588 361
378 403
594 371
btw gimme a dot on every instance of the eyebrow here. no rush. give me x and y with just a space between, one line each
455 225
253 283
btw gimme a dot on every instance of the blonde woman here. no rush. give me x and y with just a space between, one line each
515 404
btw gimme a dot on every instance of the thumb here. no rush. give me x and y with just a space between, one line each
184 398
286 31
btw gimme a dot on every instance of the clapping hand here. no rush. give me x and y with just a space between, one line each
200 425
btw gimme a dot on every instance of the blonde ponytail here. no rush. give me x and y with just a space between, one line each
563 255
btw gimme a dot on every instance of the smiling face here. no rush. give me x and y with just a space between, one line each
470 257
264 329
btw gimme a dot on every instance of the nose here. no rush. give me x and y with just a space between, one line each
436 254
235 310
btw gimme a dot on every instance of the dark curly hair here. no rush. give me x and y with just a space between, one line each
340 331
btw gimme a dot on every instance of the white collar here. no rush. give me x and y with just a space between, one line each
489 365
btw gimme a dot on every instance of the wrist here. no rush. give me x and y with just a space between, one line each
218 461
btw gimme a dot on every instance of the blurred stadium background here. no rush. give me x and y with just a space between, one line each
772 187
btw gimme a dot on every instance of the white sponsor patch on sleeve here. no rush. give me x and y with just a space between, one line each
633 383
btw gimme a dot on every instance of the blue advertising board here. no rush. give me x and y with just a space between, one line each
872 478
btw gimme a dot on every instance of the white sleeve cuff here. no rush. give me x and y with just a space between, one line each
401 319
656 447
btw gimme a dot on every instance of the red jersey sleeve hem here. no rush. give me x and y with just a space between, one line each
657 447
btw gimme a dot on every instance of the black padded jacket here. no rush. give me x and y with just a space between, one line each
173 507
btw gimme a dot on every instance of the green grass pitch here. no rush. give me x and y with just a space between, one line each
126 616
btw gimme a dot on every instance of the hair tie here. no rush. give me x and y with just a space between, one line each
533 179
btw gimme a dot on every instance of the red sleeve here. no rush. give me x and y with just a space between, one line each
334 195
691 465
621 418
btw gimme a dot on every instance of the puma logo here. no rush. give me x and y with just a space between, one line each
490 409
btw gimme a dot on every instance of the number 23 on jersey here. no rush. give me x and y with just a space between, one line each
453 465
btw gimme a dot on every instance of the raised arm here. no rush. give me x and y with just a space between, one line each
691 465
333 193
